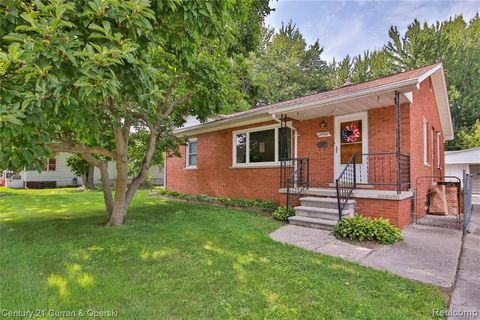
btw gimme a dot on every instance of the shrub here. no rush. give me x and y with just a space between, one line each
282 214
363 228
256 203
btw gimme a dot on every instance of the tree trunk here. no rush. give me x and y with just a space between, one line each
119 203
121 181
85 180
90 177
106 188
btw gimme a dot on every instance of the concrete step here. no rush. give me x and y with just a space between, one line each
317 223
323 202
359 185
316 212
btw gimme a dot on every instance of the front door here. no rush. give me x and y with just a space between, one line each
351 136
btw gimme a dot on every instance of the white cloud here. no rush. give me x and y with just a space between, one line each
354 26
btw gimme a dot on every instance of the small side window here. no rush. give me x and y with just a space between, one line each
191 153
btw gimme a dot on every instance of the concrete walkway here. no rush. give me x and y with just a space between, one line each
427 254
465 302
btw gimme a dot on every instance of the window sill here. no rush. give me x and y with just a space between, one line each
255 166
426 165
190 168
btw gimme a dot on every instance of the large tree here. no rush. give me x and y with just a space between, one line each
109 79
454 42
286 67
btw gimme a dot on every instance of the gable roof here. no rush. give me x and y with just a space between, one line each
404 80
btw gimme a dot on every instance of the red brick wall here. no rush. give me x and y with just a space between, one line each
321 160
424 106
215 176
397 212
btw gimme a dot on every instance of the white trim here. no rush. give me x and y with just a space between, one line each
429 72
247 132
349 96
187 154
439 164
425 142
255 165
336 153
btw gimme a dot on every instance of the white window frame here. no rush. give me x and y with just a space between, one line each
439 164
425 142
247 160
187 154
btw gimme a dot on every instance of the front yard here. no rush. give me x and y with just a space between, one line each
177 260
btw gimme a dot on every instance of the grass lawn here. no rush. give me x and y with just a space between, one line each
175 260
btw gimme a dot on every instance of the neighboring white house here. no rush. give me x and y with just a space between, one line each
58 174
469 160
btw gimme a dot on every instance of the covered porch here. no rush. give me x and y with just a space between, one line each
354 151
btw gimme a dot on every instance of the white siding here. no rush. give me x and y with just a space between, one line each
456 170
64 176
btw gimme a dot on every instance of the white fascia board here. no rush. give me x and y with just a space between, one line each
449 125
221 124
404 84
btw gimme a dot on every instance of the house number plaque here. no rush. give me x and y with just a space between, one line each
323 134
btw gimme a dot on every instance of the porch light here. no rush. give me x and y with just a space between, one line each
323 124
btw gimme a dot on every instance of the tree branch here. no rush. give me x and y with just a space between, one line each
170 88
177 102
75 147
142 176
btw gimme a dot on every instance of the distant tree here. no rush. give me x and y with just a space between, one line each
456 43
81 168
470 138
84 76
286 67
371 65
340 72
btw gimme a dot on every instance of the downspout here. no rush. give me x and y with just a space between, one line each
165 171
25 178
295 137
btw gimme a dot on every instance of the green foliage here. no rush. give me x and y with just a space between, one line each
282 214
78 165
286 67
81 68
362 228
255 203
470 138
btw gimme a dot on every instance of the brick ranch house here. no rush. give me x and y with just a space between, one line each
356 148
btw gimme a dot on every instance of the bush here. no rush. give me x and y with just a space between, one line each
282 214
257 203
363 228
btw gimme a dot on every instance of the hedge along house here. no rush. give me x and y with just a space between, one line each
355 148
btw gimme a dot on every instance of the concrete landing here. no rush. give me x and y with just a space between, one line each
321 241
427 254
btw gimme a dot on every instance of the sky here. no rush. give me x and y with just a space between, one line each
350 27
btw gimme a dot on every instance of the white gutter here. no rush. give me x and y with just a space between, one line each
346 97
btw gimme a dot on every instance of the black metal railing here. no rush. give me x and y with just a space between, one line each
384 169
346 183
467 201
295 177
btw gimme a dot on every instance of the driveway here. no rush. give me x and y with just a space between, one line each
465 303
427 254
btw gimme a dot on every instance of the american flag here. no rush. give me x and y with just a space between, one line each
351 133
